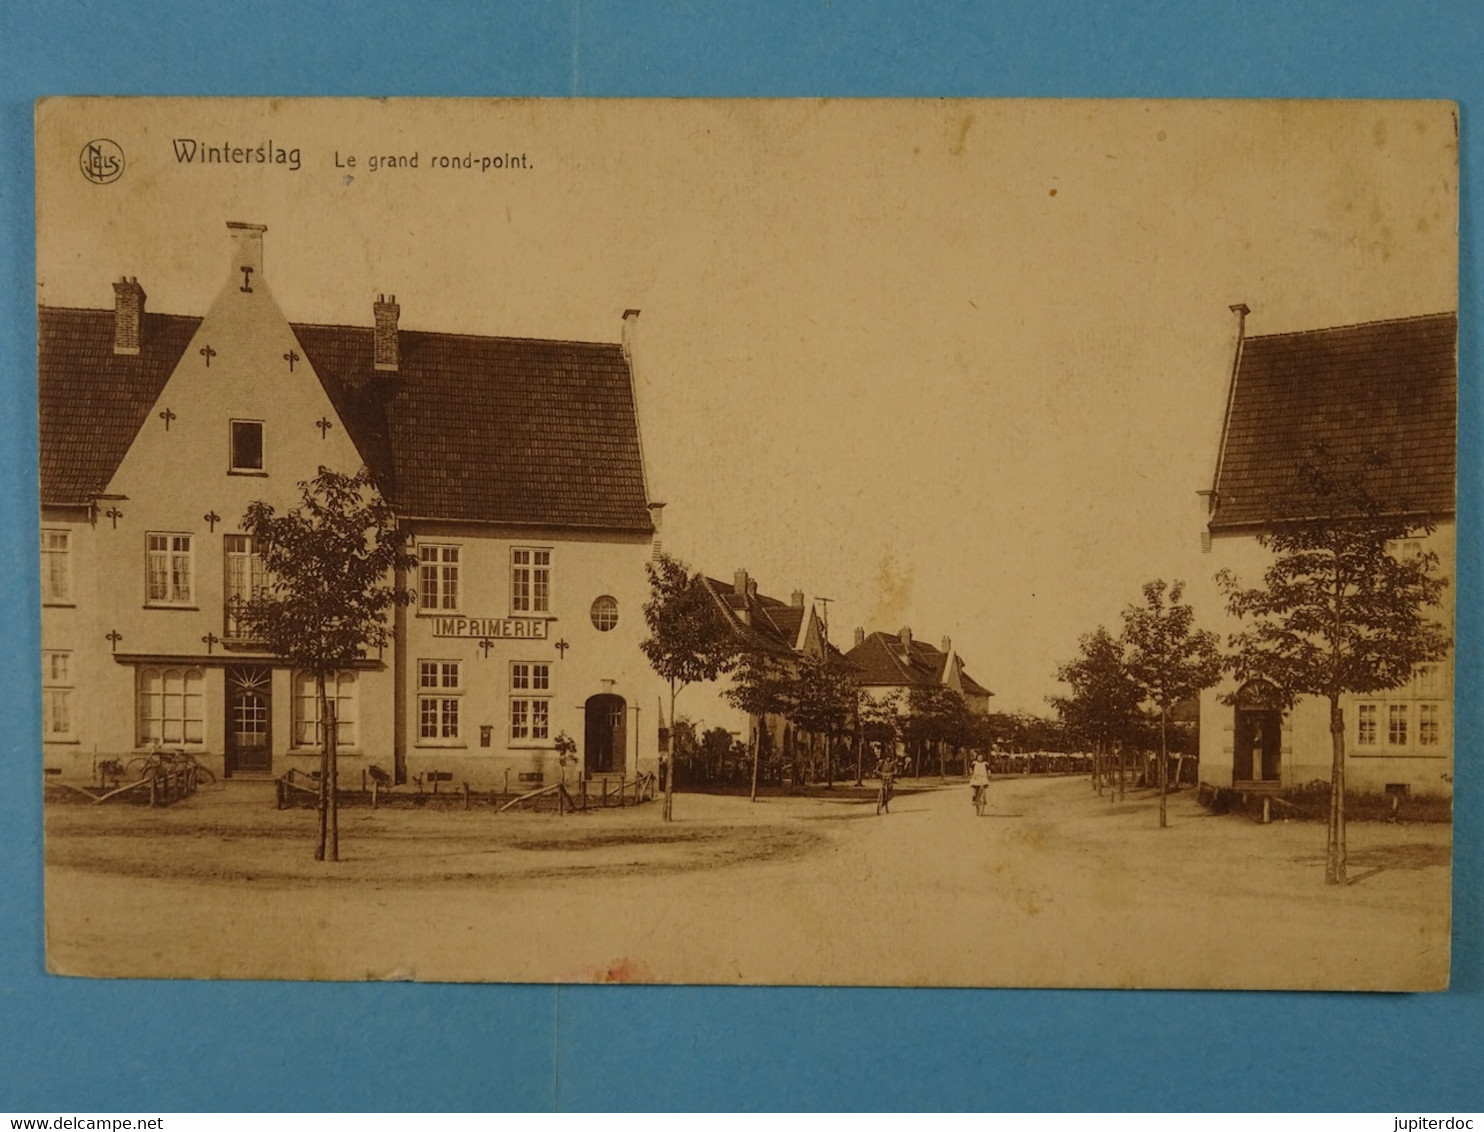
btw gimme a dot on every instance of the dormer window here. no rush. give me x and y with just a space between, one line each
247 447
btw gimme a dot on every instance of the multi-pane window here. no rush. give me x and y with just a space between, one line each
604 613
440 689
246 579
1396 725
530 709
169 578
56 694
247 446
56 567
340 689
1429 725
172 705
438 577
530 580
1366 722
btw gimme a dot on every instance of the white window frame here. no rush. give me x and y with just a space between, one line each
603 613
530 702
240 558
56 696
233 466
56 566
171 554
1430 723
1398 723
440 689
530 579
1367 725
439 565
308 729
189 699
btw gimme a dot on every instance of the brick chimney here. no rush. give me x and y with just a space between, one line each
796 599
741 585
860 636
128 315
906 638
247 253
384 346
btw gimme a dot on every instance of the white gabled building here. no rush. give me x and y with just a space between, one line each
1387 386
514 464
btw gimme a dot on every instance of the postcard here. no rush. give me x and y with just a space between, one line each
804 542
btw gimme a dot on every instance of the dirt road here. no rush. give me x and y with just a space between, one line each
1053 887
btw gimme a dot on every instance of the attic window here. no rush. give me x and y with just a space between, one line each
247 446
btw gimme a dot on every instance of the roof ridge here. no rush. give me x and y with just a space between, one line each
460 334
1352 325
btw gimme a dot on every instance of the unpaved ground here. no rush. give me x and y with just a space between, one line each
1054 886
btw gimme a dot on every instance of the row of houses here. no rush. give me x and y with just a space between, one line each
515 467
885 667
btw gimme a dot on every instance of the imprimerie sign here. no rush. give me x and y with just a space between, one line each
522 628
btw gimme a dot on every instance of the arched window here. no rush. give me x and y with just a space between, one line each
340 687
172 706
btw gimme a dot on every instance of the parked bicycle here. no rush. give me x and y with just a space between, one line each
160 763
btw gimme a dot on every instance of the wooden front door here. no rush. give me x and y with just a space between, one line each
1257 734
250 719
604 749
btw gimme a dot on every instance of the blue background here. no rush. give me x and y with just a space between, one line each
77 1045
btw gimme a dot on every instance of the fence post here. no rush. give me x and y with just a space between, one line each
375 788
466 795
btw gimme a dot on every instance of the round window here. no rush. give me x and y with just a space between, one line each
605 613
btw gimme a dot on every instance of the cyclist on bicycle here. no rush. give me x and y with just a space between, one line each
886 770
979 781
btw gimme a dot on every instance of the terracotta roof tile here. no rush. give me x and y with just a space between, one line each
509 430
1380 386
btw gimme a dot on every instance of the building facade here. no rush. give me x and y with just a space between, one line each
892 665
515 469
1388 387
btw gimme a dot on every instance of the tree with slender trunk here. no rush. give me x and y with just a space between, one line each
1169 660
1343 608
687 642
759 689
1104 703
823 703
330 565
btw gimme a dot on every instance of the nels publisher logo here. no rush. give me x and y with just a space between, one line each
101 161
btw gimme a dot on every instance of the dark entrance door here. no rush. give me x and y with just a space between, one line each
249 719
603 752
1257 734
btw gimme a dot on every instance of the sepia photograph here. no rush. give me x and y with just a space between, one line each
923 542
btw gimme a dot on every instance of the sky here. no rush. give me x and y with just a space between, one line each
954 365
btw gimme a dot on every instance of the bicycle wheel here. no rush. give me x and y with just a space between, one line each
140 766
881 799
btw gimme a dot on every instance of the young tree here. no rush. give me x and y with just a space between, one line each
687 641
823 703
1169 660
1339 611
1104 703
933 719
760 688
332 565
880 725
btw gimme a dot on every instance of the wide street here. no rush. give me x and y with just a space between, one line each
1055 886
